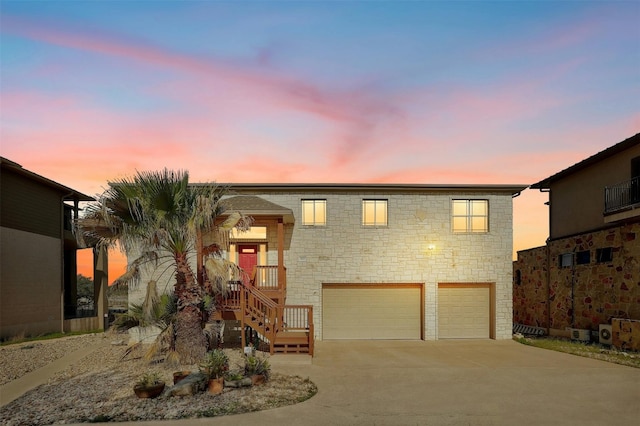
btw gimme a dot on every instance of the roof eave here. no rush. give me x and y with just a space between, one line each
377 187
70 194
606 153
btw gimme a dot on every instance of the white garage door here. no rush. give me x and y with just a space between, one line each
371 312
464 312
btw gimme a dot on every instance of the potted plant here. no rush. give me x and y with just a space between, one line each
179 375
258 368
149 386
215 364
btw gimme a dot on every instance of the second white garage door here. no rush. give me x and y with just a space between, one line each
371 312
464 312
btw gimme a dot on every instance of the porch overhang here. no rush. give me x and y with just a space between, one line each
256 207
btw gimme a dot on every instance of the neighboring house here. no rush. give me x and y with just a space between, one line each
38 274
588 273
378 261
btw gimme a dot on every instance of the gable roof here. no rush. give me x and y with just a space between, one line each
251 205
70 194
609 152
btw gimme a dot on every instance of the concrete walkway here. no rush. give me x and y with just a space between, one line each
465 382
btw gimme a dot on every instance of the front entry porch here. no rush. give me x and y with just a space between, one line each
258 301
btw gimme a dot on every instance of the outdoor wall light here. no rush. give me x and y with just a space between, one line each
431 247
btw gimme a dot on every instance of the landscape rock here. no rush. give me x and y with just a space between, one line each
190 385
238 383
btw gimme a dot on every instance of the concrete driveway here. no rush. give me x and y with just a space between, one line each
458 382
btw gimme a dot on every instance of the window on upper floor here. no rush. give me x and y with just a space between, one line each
635 167
470 216
314 212
374 213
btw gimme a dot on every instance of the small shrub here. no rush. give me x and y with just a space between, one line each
257 365
149 380
234 375
215 364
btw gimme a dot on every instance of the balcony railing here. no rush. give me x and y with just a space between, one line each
265 277
622 196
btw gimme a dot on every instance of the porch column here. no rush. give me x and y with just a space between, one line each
100 284
282 283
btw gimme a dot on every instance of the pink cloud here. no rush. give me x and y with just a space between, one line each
276 89
449 134
357 110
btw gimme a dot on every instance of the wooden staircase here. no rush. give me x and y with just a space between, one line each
286 328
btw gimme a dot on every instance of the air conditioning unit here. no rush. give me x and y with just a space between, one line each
580 334
605 336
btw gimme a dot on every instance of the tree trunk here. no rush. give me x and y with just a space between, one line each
191 343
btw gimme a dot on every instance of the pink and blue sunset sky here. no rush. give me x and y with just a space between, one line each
342 92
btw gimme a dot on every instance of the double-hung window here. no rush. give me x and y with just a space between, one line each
470 216
374 212
314 212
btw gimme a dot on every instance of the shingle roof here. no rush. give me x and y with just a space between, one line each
252 205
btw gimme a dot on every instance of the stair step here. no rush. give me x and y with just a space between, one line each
292 337
292 342
291 349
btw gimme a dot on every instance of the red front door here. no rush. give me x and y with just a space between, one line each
247 260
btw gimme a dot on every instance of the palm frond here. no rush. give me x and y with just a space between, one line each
150 300
156 218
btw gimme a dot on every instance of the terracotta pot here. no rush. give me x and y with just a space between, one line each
258 379
179 375
148 392
216 386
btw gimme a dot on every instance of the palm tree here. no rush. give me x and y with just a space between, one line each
161 217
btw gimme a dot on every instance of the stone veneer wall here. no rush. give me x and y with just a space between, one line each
626 334
601 290
531 289
346 252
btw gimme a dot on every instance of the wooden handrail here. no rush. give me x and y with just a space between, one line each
265 277
295 317
261 312
231 300
265 316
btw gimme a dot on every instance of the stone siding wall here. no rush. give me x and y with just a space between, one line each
531 288
580 295
601 290
626 334
344 251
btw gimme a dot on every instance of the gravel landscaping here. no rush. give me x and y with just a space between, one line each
100 386
587 350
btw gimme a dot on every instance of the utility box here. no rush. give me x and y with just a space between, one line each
580 334
605 335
